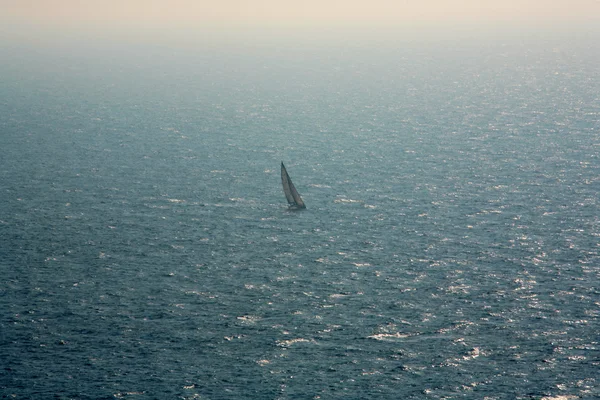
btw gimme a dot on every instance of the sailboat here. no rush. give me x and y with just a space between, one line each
291 194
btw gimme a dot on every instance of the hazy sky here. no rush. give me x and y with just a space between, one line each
229 15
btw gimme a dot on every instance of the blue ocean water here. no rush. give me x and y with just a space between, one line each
450 248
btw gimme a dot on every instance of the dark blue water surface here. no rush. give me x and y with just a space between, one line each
450 248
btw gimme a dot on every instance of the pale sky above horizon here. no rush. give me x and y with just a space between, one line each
171 15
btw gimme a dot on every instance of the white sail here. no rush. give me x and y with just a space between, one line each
291 194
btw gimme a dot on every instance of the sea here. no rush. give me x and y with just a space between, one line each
449 248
